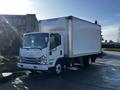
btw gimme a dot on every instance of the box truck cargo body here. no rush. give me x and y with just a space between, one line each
80 37
60 43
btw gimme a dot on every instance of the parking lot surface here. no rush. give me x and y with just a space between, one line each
103 75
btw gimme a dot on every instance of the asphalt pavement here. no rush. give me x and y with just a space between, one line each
103 75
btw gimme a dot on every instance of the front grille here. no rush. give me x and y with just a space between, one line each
31 60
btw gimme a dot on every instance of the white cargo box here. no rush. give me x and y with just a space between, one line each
81 37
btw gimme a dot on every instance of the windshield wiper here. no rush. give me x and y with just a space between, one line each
32 48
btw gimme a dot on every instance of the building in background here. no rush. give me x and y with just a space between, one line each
23 23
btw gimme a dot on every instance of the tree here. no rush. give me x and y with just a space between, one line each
110 41
9 39
106 41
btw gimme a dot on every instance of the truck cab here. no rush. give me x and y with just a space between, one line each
40 51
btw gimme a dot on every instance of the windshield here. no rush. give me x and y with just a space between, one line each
39 40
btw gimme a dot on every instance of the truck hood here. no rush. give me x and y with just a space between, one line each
32 53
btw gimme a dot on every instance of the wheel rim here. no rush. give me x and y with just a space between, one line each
58 68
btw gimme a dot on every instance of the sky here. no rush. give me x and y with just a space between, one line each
106 12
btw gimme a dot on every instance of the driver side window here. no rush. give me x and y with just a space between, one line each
55 40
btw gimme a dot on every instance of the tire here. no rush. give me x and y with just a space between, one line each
93 58
59 67
85 61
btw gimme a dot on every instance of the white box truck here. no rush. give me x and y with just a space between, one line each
60 43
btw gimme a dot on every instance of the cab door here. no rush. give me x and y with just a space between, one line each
56 47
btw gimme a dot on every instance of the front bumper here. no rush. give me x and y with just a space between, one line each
33 66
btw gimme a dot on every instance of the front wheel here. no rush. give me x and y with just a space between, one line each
58 69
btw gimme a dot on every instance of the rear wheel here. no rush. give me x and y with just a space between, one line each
93 58
85 61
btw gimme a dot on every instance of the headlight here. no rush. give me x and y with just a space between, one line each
43 59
